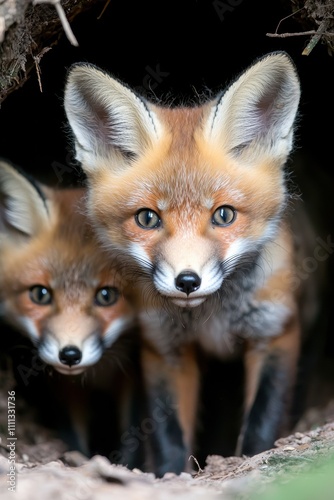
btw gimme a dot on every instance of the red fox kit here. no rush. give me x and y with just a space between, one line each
196 197
57 286
60 289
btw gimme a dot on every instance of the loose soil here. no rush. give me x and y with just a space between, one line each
297 467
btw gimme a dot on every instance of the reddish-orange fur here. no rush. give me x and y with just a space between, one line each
223 286
66 258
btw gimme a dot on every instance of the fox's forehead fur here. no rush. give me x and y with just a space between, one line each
141 154
65 254
184 172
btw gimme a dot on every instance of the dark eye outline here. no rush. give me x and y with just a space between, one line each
224 224
45 300
155 226
111 301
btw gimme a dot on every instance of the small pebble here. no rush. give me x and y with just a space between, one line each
137 471
305 440
186 476
169 475
289 448
74 458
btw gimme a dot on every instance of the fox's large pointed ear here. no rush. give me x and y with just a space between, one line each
256 114
106 117
23 207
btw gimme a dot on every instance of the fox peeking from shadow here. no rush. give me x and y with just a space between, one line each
195 199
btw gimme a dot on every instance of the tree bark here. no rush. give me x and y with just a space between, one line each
27 32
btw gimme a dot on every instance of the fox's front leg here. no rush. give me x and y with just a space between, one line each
172 394
270 371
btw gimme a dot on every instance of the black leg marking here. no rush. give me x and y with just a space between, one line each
264 421
165 437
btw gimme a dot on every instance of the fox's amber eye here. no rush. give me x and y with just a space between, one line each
106 296
224 216
147 219
40 295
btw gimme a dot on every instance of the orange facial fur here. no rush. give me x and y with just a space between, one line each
184 180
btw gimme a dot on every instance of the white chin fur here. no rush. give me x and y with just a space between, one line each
66 370
189 302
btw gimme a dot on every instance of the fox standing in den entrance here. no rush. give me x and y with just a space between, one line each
196 200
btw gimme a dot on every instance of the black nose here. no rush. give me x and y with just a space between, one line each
70 355
187 282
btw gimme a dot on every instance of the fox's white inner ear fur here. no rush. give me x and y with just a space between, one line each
22 206
106 117
258 110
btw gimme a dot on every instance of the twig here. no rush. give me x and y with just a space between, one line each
2 29
285 35
196 462
286 17
104 9
37 60
315 39
62 17
316 34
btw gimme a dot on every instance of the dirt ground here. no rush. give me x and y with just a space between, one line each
45 471
299 467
